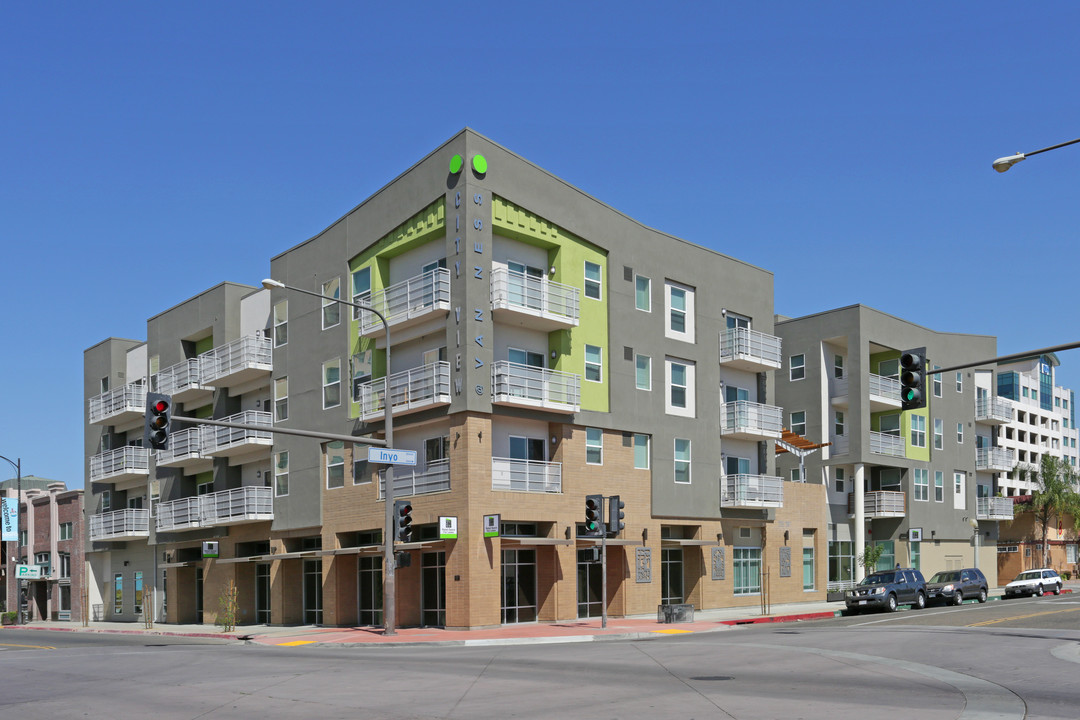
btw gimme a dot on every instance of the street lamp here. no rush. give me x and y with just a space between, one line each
389 604
975 527
1004 163
17 464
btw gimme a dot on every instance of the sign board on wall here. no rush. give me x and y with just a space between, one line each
448 527
28 572
491 526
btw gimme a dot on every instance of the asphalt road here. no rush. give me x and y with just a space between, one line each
1004 660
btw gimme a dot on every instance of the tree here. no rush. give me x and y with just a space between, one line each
1055 495
870 556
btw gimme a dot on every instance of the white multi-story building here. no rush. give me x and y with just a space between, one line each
1043 419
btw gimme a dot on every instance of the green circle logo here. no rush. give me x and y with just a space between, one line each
455 164
479 164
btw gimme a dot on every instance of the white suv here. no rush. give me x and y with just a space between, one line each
1034 582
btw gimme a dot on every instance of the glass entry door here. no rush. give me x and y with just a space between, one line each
589 584
518 586
433 589
313 592
262 593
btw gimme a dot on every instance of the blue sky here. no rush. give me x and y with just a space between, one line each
149 151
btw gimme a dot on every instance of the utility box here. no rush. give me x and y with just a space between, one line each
675 613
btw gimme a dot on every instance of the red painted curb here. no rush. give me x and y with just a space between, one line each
781 618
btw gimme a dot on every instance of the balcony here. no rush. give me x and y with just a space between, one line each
533 302
185 450
410 390
435 478
746 349
993 411
120 465
240 362
121 406
880 504
882 392
535 387
228 507
184 381
751 491
409 302
744 420
994 508
994 459
887 444
129 524
536 476
230 442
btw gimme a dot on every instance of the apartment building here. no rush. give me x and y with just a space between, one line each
544 347
924 483
51 546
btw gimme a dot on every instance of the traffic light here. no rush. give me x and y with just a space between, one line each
913 379
403 521
615 515
158 419
594 515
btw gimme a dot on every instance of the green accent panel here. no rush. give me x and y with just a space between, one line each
206 411
479 163
456 164
201 346
204 477
567 253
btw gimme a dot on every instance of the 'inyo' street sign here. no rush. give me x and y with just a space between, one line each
389 456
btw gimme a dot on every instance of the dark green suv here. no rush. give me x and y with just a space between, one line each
887 589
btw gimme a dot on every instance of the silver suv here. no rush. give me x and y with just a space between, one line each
887 589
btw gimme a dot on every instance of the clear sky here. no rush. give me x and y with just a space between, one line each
149 151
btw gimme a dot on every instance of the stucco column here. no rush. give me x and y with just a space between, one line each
858 532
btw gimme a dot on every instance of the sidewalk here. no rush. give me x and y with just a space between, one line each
630 628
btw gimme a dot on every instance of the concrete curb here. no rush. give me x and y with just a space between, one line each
110 631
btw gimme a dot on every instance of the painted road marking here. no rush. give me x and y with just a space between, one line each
672 632
1021 617
294 643
33 647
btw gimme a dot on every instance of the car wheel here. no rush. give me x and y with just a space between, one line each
958 598
982 595
1039 591
1057 589
891 606
920 601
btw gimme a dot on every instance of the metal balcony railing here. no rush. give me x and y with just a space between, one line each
220 440
184 444
841 445
127 460
526 475
411 389
750 345
237 360
535 296
182 514
885 387
405 300
886 444
183 376
994 459
519 384
130 399
993 409
751 491
226 507
880 504
435 478
994 508
120 525
741 417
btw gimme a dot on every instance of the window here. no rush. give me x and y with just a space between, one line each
937 382
939 434
335 464
594 446
798 422
643 293
746 564
65 531
64 565
204 483
808 568
360 472
42 558
281 474
939 486
643 372
281 399
838 366
959 433
592 280
797 367
922 484
641 452
593 363
796 475
680 384
680 311
331 308
118 594
281 323
103 384
682 460
838 422
958 482
361 288
889 368
918 431
331 372
839 480
959 381
106 502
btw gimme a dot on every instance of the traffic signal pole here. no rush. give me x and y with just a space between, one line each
1007 358
281 431
603 579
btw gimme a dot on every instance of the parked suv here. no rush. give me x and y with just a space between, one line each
887 589
954 586
1034 582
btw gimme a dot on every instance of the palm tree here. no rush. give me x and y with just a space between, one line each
1055 495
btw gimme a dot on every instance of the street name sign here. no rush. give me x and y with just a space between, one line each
389 456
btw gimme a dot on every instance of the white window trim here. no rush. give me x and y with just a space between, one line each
329 300
325 385
691 390
792 367
279 322
585 375
648 294
590 446
649 361
648 451
327 465
278 472
688 334
689 461
599 283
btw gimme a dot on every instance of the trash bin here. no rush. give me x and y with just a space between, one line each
675 613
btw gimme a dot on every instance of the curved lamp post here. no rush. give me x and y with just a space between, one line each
1004 163
17 464
389 604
